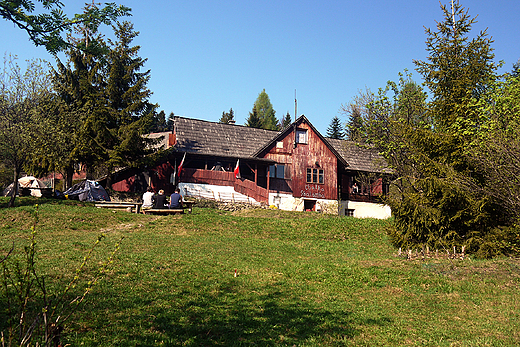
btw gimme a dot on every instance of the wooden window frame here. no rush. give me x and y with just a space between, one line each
306 136
279 170
315 176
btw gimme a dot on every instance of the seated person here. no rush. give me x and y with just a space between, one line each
148 199
160 200
218 167
176 199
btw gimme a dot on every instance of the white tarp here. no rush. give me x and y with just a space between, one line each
27 182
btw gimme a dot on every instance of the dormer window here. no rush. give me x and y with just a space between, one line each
301 136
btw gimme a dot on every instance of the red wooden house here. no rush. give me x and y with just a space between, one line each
294 169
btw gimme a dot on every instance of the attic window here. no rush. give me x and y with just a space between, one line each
301 136
279 144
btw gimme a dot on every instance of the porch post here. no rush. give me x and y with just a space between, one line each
268 180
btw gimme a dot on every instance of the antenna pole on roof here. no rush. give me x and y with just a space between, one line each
295 106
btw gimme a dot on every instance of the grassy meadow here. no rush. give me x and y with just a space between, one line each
304 279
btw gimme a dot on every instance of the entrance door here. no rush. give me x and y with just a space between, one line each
309 205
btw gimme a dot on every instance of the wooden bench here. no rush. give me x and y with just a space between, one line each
163 211
136 206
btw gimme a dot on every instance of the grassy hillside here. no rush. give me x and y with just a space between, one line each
304 280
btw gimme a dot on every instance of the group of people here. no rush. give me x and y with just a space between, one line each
160 200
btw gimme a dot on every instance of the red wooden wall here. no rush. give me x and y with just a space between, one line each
315 155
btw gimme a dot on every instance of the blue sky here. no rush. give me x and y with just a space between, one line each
206 57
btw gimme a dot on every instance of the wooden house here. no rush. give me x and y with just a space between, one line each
294 169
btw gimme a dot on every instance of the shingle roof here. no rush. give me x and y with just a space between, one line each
162 139
238 141
359 157
217 139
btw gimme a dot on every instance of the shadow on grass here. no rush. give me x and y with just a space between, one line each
232 316
31 201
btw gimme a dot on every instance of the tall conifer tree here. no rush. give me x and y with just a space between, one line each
254 121
335 129
285 121
106 100
80 84
265 111
128 98
432 206
228 117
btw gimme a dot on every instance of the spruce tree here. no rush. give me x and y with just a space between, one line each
106 100
80 84
169 121
335 130
432 205
128 100
227 117
457 68
254 121
158 122
516 69
126 89
285 121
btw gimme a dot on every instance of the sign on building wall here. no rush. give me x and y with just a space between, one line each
316 191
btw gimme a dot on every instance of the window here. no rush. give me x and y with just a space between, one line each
349 212
315 176
277 171
280 171
301 135
279 144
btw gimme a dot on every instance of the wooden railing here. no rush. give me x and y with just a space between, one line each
250 189
219 178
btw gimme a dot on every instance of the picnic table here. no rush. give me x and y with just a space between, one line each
136 206
163 211
187 205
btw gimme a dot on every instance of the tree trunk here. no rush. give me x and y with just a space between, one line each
88 174
14 191
69 172
108 185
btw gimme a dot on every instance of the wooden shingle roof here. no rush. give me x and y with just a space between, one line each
359 157
217 139
238 141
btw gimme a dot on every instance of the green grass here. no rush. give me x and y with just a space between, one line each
304 280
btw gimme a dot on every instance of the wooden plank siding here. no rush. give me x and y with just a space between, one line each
315 154
132 180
